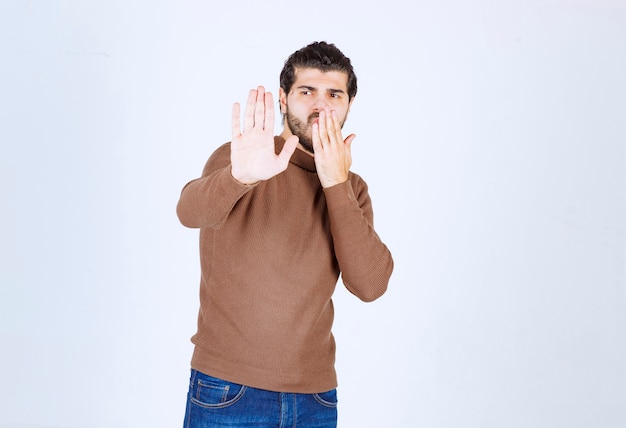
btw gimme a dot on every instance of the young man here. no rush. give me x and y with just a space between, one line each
280 218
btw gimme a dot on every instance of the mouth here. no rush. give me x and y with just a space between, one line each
314 118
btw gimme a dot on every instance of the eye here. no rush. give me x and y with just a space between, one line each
306 92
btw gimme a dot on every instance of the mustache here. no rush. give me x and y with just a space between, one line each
312 117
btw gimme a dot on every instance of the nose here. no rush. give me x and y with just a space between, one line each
320 103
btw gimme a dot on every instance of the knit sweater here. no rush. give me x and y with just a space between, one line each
271 255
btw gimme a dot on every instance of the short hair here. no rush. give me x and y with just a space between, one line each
322 56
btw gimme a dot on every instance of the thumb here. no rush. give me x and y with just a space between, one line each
349 139
290 146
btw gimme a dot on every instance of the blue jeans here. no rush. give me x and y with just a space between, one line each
212 402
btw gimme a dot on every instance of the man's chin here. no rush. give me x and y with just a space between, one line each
306 143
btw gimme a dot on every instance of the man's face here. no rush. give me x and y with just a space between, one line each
312 91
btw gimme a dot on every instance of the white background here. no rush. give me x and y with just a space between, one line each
493 137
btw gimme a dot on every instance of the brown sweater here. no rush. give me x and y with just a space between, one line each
270 256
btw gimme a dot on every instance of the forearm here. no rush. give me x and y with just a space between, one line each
207 201
365 261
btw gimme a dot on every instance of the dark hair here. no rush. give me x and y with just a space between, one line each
322 56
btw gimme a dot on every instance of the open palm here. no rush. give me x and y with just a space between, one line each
253 157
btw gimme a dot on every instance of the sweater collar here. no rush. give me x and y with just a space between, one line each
299 157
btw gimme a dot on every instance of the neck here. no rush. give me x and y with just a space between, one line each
287 133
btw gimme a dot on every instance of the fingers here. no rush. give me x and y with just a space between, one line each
349 139
236 125
259 108
333 126
248 118
259 112
287 151
323 134
268 122
319 133
315 137
327 132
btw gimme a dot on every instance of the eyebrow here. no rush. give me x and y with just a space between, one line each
332 91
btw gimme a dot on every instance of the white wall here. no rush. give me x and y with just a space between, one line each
493 137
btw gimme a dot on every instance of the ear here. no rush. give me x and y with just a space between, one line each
282 96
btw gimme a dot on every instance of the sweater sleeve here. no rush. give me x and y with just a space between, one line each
364 260
207 201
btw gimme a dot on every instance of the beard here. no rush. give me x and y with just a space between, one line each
304 130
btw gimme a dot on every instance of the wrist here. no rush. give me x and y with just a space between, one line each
333 182
244 181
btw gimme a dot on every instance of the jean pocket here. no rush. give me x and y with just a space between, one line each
215 393
328 399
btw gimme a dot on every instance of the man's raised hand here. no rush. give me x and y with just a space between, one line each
253 157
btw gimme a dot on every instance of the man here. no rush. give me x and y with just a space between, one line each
280 218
